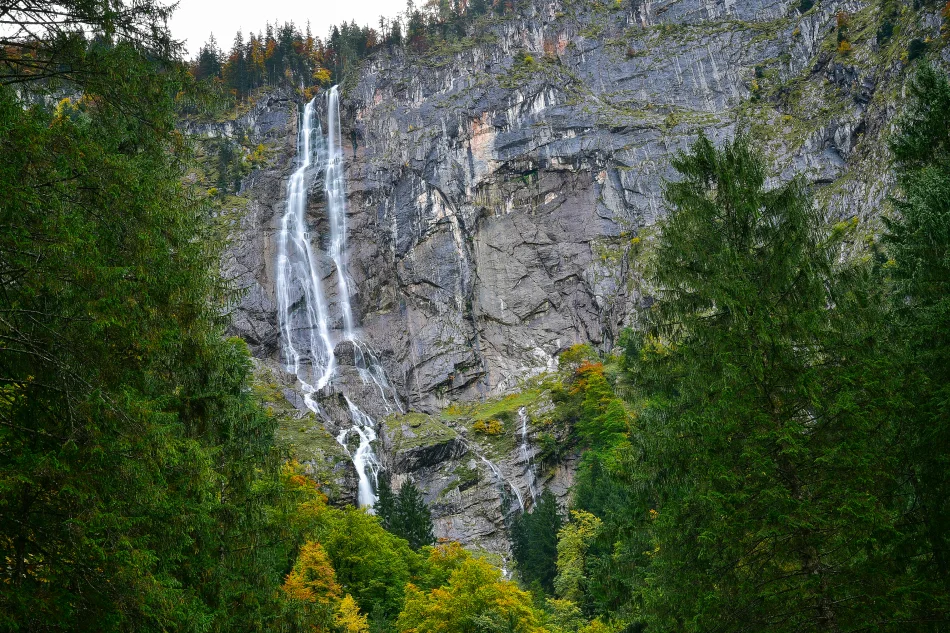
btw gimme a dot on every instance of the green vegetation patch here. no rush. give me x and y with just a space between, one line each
302 436
412 430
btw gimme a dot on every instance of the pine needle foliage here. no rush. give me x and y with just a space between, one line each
534 543
918 241
405 513
138 477
764 466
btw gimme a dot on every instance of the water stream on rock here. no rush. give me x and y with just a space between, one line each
335 187
303 315
526 456
363 458
499 477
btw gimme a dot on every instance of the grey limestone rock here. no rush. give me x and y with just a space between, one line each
498 185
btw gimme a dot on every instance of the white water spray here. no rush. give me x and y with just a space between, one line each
369 367
335 185
307 347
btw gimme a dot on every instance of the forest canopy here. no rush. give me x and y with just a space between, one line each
283 54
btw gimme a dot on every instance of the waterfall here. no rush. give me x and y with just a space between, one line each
335 185
369 367
526 455
499 477
364 458
307 350
502 480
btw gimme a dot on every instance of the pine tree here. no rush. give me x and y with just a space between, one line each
208 63
138 477
919 247
405 513
385 506
534 542
415 518
765 458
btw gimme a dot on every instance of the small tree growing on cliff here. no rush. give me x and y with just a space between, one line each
405 513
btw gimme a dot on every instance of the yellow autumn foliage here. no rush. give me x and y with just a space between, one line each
475 597
348 618
312 579
573 541
489 427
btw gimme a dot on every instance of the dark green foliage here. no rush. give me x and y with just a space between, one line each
138 479
606 489
73 40
282 55
885 32
534 543
919 244
208 63
231 166
132 449
805 6
405 513
385 506
782 463
370 563
347 46
394 37
765 415
413 518
587 404
479 7
415 30
916 49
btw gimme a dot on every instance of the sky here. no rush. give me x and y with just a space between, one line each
195 20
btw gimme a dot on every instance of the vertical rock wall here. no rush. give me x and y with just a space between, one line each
496 184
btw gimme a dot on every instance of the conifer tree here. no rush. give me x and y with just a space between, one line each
534 542
767 466
414 516
385 506
919 247
405 513
209 60
137 474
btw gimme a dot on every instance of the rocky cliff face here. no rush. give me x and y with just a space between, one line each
496 186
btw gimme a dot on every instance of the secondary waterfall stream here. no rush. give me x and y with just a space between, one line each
499 477
307 340
525 455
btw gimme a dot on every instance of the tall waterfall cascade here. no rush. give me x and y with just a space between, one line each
306 334
306 347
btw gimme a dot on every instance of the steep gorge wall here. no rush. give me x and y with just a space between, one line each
496 185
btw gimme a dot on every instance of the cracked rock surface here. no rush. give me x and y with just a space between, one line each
496 185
